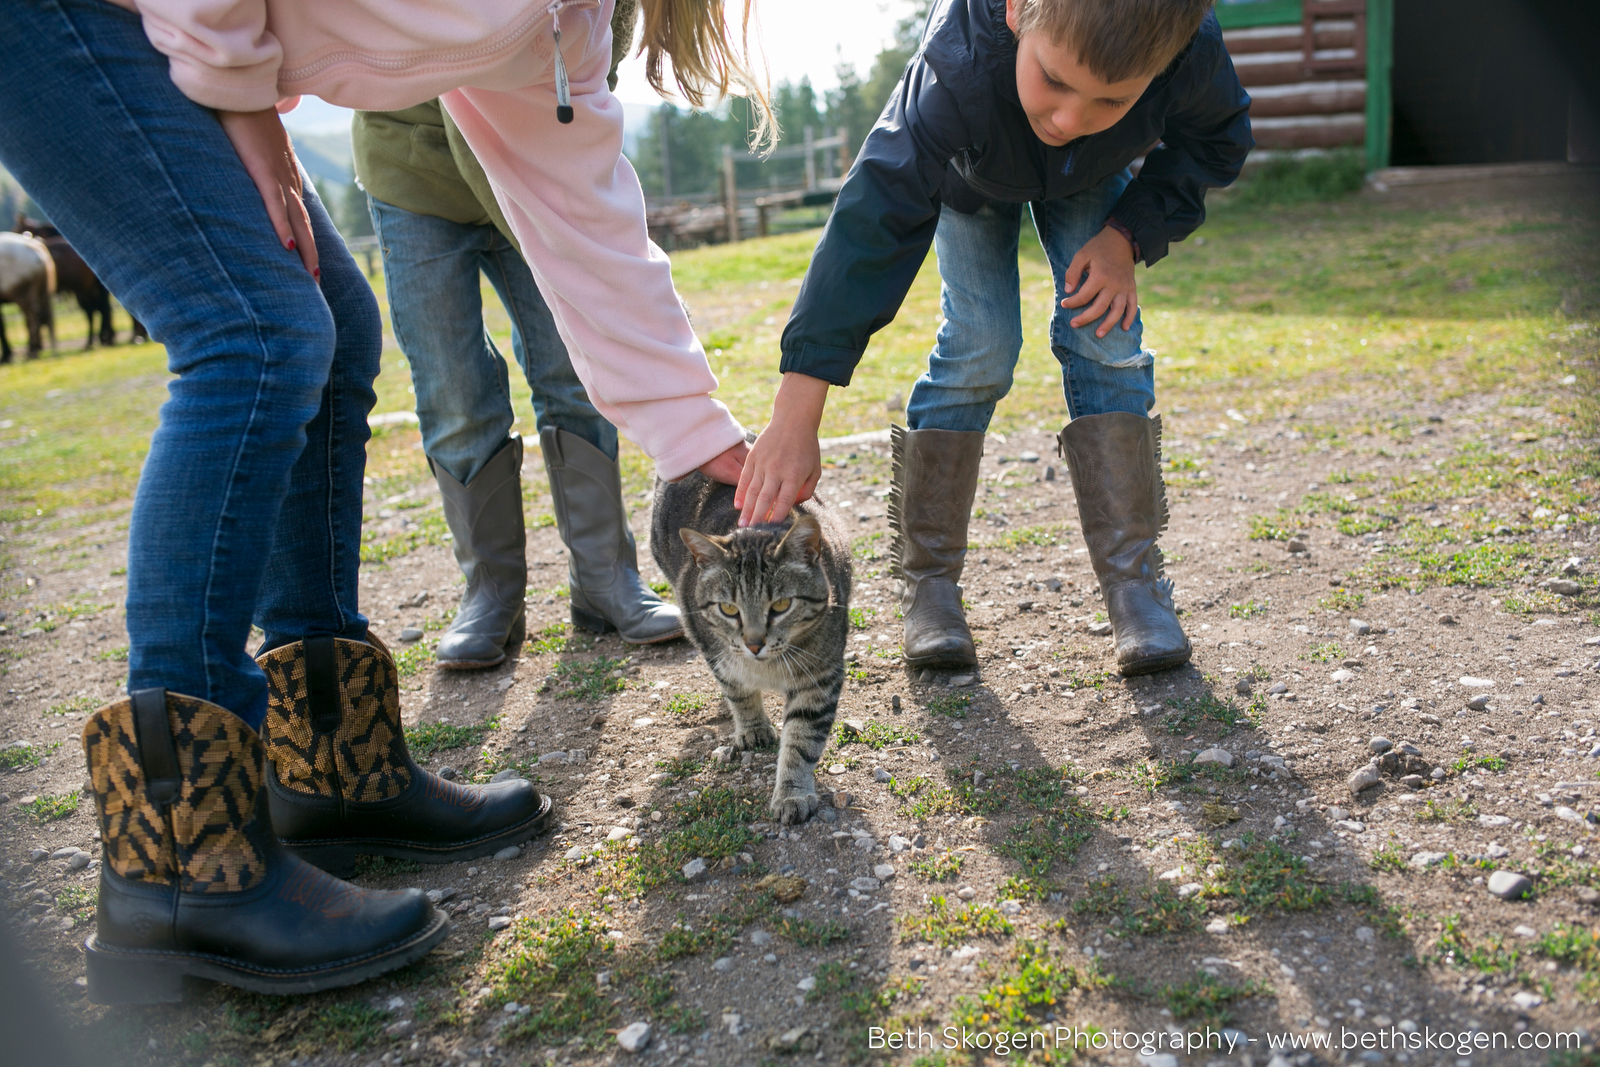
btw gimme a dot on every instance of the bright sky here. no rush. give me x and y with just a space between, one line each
799 37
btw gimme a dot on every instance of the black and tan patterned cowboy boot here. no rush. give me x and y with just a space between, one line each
930 502
194 883
343 784
1115 460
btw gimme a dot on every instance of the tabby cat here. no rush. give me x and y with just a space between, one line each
768 607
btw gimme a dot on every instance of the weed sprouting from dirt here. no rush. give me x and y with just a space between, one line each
941 925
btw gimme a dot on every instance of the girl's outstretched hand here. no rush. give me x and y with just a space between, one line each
268 156
785 462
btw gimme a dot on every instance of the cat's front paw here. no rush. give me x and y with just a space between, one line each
759 735
794 808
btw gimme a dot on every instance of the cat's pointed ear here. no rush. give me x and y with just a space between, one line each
804 539
705 549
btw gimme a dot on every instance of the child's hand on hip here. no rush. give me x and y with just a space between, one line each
785 462
1105 266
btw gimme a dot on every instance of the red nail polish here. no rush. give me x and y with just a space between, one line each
316 272
290 245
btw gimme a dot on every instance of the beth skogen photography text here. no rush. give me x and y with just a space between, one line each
720 533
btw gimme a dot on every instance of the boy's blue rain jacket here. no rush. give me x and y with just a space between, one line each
954 133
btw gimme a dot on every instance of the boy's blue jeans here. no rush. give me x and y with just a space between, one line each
431 266
975 351
249 504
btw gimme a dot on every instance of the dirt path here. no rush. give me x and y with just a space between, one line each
1033 847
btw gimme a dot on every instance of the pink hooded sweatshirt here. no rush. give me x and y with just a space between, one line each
570 196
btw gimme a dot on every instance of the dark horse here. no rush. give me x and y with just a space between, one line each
74 276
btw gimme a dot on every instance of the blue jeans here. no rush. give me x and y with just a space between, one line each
249 506
975 351
431 266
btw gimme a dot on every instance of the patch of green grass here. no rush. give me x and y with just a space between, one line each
945 867
1033 982
861 618
866 548
78 900
1388 857
712 825
76 706
1326 652
1209 999
1156 910
950 705
118 654
812 933
940 925
428 529
1207 709
556 639
1300 180
1386 917
1263 528
413 659
1577 947
25 755
1342 600
1042 842
1263 876
1492 955
550 964
877 735
1447 811
1248 610
432 738
345 1027
52 806
592 679
683 940
686 703
1025 536
1472 762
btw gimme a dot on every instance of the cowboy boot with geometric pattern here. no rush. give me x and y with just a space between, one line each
344 785
194 884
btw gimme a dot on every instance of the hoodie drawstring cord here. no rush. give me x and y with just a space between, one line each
563 91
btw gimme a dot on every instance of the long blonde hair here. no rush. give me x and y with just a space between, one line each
707 63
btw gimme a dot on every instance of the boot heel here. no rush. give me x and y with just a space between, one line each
587 620
118 979
519 630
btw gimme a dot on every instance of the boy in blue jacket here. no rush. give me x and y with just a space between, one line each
1013 102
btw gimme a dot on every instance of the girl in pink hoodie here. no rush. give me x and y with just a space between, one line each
147 131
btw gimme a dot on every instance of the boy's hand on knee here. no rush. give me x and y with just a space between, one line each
1105 266
785 462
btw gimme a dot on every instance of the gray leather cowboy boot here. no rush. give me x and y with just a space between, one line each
602 562
935 478
485 517
1115 460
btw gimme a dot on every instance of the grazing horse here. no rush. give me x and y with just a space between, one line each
74 276
27 279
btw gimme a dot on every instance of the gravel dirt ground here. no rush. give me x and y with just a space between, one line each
1391 582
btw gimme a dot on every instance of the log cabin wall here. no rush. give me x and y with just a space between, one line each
1306 75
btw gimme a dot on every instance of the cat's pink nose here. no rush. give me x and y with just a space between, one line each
756 647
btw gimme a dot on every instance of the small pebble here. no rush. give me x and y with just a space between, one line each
409 634
499 922
635 1036
1509 885
507 775
723 965
1379 745
448 773
510 852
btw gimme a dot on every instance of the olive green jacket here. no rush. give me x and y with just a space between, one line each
418 160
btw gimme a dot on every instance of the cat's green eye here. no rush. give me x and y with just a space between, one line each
729 610
780 606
